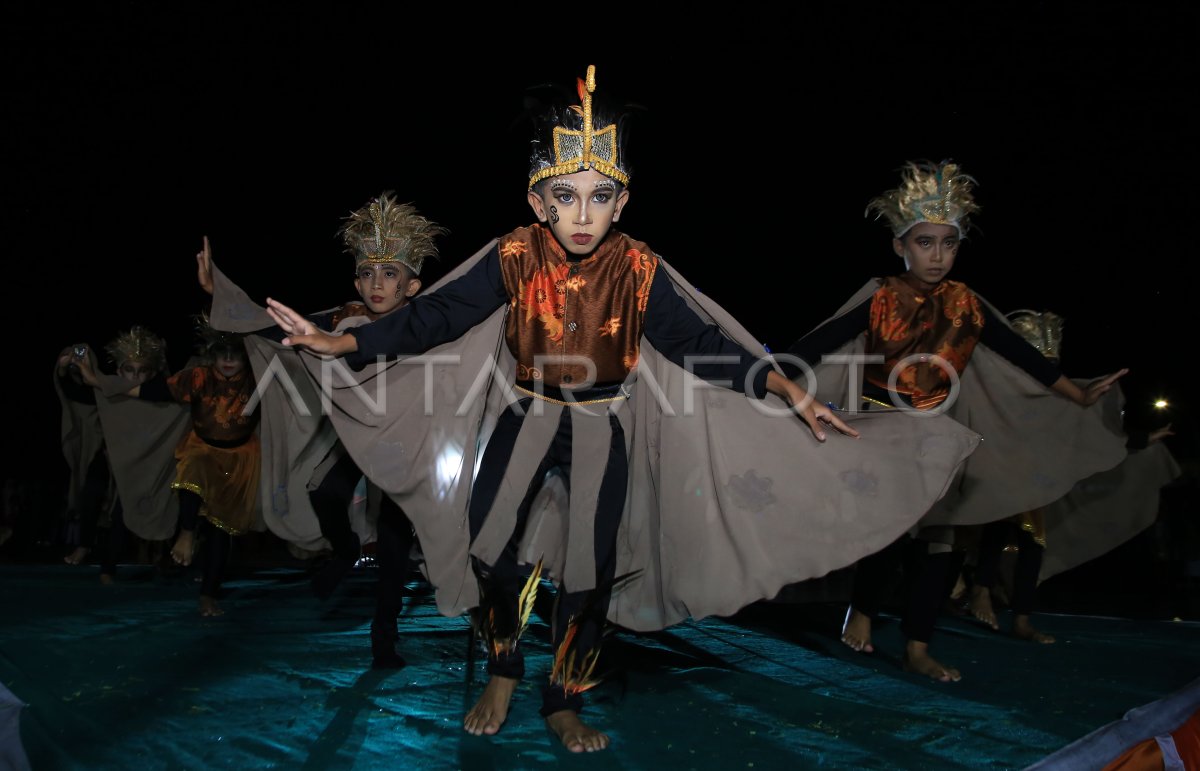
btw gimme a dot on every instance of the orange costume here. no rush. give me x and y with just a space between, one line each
219 458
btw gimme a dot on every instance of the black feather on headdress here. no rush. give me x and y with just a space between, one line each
213 340
549 107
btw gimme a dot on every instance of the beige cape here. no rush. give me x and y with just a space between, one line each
1106 509
1036 444
725 504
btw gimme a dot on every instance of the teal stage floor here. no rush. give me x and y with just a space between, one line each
130 677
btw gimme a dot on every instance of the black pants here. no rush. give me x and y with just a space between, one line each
112 548
501 583
331 502
929 578
91 499
215 543
1025 574
91 504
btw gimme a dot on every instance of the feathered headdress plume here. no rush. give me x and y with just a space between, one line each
1043 331
385 231
938 193
138 344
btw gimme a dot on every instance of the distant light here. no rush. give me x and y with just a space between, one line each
1161 404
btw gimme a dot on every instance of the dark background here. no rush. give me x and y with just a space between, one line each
133 129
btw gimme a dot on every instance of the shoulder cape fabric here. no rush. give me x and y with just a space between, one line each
1036 445
141 437
1106 509
82 437
299 444
725 504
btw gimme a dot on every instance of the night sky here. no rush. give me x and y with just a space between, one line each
135 129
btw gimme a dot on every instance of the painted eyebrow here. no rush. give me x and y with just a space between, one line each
564 185
604 185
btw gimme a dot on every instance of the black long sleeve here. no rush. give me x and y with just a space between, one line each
998 336
677 332
830 336
445 315
434 318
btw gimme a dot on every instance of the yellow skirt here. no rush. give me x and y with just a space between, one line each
225 479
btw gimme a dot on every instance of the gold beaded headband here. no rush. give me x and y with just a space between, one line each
585 149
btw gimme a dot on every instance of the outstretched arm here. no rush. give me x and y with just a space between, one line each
1141 439
1086 397
1000 337
817 416
828 337
301 331
426 322
1159 434
677 332
88 374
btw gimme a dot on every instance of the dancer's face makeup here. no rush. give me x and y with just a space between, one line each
386 286
928 250
136 372
580 208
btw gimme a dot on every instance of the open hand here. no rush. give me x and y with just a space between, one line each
86 373
818 416
1094 391
302 332
204 267
1158 434
64 361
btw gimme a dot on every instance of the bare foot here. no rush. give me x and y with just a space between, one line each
106 579
1024 630
857 632
78 556
917 659
181 552
490 712
981 606
209 606
576 735
960 588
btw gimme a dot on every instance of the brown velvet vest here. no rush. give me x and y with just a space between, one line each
909 319
565 314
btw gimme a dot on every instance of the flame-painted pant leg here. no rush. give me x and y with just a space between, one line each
580 618
500 584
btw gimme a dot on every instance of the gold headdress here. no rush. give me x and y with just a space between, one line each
587 147
138 344
212 340
1043 331
939 193
385 231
